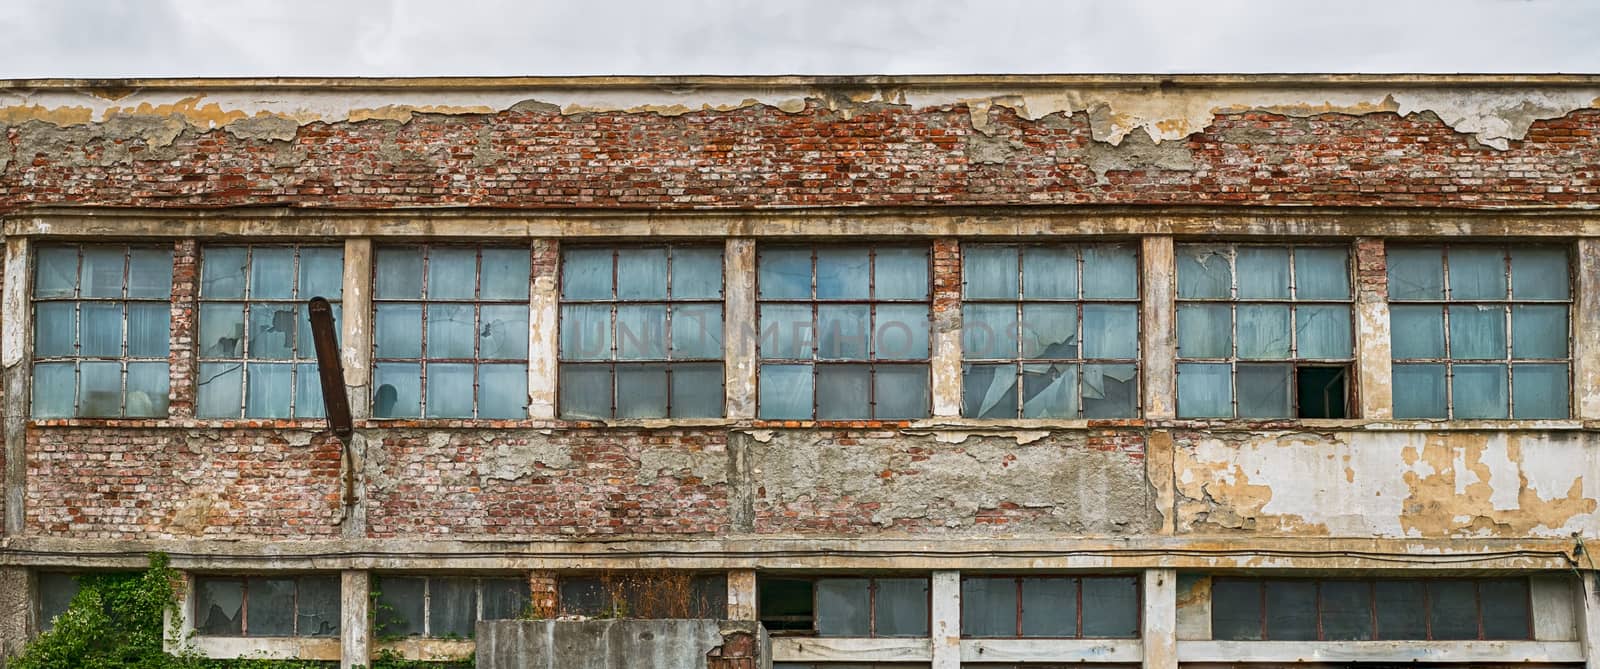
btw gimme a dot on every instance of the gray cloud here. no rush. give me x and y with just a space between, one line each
110 38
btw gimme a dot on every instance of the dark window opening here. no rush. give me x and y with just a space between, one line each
1370 609
845 607
1320 392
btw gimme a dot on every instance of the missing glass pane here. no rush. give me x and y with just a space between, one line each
1320 392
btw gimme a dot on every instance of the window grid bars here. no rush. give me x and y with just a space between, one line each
871 302
423 302
1293 302
244 360
872 604
77 299
1372 604
244 604
1507 305
617 300
1079 301
1017 581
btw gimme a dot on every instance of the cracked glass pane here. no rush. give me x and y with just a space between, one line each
1416 331
642 273
900 392
1323 331
1051 272
218 607
272 272
1263 272
843 273
267 392
1049 331
842 391
1477 273
1203 271
1291 610
503 332
785 391
452 607
1205 331
989 271
56 272
272 330
1264 391
398 272
989 391
1110 607
989 607
220 390
696 273
1263 331
901 607
270 610
1110 391
696 331
697 390
54 386
1111 271
54 329
585 391
586 332
1049 390
397 390
505 274
221 330
1205 390
900 332
222 272
1049 607
1416 273
1419 391
502 391
642 391
1322 273
321 273
1111 331
317 612
1539 273
641 332
783 273
898 274
452 273
450 390
450 331
586 274
400 606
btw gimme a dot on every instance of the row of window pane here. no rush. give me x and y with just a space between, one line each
436 606
845 607
1050 607
1370 609
267 607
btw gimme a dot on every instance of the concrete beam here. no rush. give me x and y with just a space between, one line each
1160 620
15 356
1374 369
355 336
544 303
945 625
739 328
1158 346
355 626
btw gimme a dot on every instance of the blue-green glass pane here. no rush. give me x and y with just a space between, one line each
1205 390
1419 391
1416 272
1416 331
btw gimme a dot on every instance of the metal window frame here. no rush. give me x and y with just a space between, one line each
1022 300
872 362
1292 302
77 299
667 359
1017 579
477 594
872 603
248 301
1318 614
1508 305
244 604
477 302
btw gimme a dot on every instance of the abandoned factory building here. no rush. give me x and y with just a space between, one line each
919 372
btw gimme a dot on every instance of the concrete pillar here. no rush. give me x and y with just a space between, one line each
355 626
946 337
355 331
1586 328
15 358
182 355
742 594
946 620
17 624
1590 629
1160 632
544 306
739 328
1158 346
178 623
544 591
1374 367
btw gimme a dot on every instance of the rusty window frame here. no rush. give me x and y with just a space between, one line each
244 604
872 603
302 357
668 359
1018 580
78 300
871 361
1376 626
428 581
1022 300
1508 304
1293 302
477 302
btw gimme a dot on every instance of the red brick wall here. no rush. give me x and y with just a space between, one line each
764 157
464 483
141 483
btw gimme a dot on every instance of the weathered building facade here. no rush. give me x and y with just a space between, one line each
919 372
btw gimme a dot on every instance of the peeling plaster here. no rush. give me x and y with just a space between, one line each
1493 115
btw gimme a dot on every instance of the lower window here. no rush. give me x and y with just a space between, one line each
845 607
1370 609
262 606
441 607
1050 607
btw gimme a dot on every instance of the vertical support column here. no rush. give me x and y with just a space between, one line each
18 591
1590 631
946 362
15 353
355 627
1374 366
741 594
1158 349
544 304
739 329
181 353
946 615
1586 327
355 336
1160 620
178 624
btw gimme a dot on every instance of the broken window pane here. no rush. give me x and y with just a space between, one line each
398 272
1236 612
1505 608
1479 391
989 391
1263 331
785 604
1323 331
397 390
642 273
642 391
1292 610
451 332
220 391
400 605
989 271
1205 331
989 331
452 273
1346 610
842 331
222 272
901 332
270 611
1417 331
1203 271
1110 391
843 607
900 392
785 391
221 330
503 391
1477 273
1205 390
1539 273
1321 391
1453 610
317 609
1477 332
1419 391
1540 391
54 329
1049 390
898 274
697 273
452 607
989 607
272 329
696 331
269 388
784 273
1050 607
505 598
697 390
219 607
56 273
584 391
900 607
54 387
843 391
843 273
1110 608
1416 273
1400 609
1321 273
502 332
1539 331
1263 272
1049 331
450 387
1110 331
1051 272
1110 271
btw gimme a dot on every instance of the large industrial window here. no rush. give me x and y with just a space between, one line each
645 594
1370 609
441 607
845 607
256 355
450 338
1480 331
843 332
56 591
1264 331
267 606
641 332
102 319
1050 607
1050 331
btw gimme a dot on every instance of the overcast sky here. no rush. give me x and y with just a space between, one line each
118 38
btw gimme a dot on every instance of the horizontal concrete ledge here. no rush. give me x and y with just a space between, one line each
1052 650
818 649
428 650
1380 651
270 648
